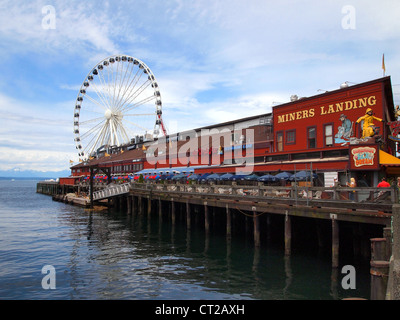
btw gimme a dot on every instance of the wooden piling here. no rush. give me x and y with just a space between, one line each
387 234
269 227
149 207
228 223
188 215
256 229
173 216
288 234
121 202
206 218
335 241
160 210
134 205
129 204
140 207
378 249
379 269
379 279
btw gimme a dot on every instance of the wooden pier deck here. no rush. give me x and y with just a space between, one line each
318 202
358 206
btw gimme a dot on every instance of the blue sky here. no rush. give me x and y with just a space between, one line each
214 60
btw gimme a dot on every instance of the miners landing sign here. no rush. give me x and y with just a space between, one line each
364 157
328 109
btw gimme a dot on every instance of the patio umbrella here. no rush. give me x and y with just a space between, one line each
193 177
283 175
267 178
178 177
251 177
226 176
204 176
302 176
213 177
236 177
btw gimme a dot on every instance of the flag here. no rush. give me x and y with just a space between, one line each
383 64
71 161
106 155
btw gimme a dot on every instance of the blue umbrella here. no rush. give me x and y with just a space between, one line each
268 178
226 176
302 176
180 176
251 177
193 177
238 177
283 175
213 177
204 176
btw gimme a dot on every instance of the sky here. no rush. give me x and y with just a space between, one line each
214 61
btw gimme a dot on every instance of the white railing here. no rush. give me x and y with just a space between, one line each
111 191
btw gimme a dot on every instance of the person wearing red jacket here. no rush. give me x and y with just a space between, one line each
383 184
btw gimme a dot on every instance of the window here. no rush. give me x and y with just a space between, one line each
279 141
291 137
312 137
328 132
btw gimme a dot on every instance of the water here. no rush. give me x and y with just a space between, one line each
109 255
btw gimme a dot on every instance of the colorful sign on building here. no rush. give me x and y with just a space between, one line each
364 157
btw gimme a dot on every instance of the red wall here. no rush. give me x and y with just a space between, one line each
327 109
67 181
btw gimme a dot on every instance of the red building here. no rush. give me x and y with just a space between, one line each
330 134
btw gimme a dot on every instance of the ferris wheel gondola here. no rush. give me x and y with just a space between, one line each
118 101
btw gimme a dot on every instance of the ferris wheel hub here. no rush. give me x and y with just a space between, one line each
108 114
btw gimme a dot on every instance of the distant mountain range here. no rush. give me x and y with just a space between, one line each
26 174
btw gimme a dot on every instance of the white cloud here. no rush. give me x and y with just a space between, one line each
215 61
80 28
32 139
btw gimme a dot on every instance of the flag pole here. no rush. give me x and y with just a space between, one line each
383 64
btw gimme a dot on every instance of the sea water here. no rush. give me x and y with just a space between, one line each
108 254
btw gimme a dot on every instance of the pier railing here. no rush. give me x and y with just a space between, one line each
111 190
294 193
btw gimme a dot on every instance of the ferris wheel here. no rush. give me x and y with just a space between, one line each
118 101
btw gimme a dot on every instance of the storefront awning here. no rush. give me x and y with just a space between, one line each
386 159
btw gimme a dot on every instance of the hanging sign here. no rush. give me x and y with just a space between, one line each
364 157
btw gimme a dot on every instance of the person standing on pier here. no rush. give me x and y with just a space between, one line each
352 184
383 184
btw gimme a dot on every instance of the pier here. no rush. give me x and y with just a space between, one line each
264 211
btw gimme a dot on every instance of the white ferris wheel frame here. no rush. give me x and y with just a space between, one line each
117 97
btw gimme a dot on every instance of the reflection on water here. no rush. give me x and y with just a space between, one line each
111 255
